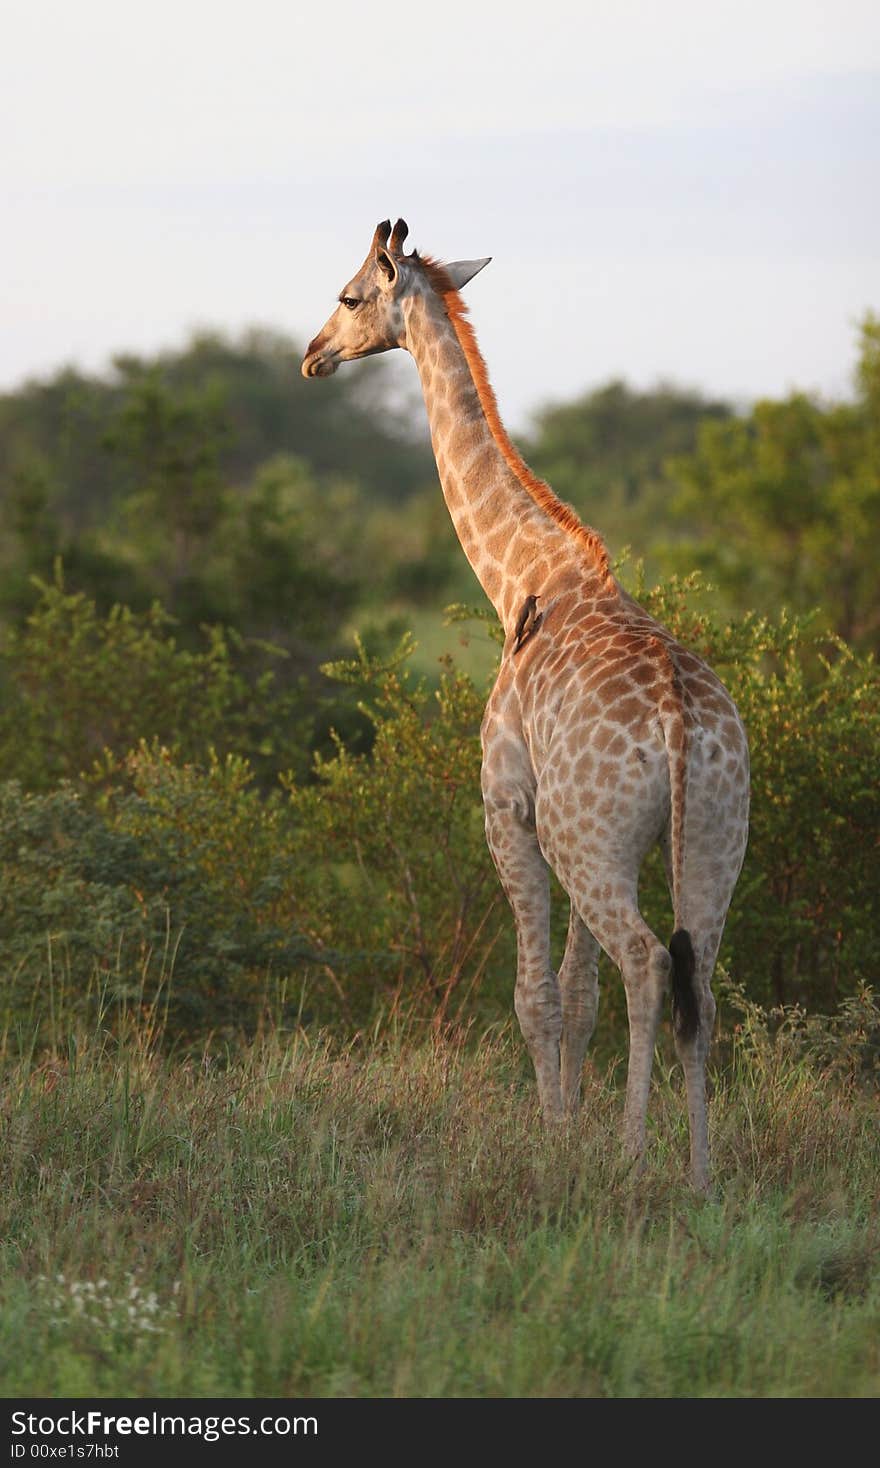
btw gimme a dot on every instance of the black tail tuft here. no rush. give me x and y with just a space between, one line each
685 1011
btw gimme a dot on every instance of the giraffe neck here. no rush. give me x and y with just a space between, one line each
514 546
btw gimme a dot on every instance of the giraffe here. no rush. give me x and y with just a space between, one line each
602 735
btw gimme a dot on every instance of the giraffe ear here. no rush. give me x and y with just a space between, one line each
387 266
461 271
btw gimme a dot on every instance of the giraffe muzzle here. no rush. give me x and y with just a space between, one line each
320 364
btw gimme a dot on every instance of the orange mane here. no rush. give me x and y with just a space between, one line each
540 492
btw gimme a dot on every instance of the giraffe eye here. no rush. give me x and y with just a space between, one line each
350 302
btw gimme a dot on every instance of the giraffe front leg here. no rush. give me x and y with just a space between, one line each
579 987
510 833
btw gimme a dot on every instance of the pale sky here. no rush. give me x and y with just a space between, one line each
680 191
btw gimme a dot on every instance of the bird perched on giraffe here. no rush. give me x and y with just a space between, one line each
602 737
528 621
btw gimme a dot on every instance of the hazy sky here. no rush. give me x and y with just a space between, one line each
688 191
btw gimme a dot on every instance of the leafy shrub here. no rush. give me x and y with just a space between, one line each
69 911
221 861
77 683
843 1048
393 860
369 885
176 882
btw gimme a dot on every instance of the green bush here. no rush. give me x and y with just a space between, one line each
221 859
77 684
369 886
175 887
70 918
396 876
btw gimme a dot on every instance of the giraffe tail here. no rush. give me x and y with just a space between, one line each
685 1007
685 1011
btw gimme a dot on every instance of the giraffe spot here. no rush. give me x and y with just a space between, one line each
615 687
584 768
491 578
627 711
599 647
483 464
497 544
516 549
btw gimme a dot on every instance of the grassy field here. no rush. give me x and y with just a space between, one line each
388 1219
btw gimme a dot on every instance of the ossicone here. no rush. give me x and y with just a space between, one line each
398 235
382 231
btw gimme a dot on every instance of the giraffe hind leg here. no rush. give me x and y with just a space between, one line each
645 966
692 1047
609 908
704 902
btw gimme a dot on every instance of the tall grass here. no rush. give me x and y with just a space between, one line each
388 1218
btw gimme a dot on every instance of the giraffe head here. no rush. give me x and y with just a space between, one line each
370 316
